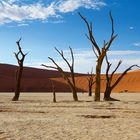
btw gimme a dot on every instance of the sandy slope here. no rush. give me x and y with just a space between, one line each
39 80
35 117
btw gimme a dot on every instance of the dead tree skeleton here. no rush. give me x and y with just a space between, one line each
20 56
100 53
91 82
70 80
111 85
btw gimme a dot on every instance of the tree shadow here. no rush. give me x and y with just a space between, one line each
135 102
21 111
3 137
97 116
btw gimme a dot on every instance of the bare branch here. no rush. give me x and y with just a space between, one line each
49 66
112 23
62 55
105 44
19 52
94 51
19 47
118 65
93 47
123 74
91 37
18 43
110 42
57 66
107 70
112 33
72 66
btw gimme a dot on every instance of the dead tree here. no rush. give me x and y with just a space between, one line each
20 56
109 77
70 80
90 82
100 52
53 90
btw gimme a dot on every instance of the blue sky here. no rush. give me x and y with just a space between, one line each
45 24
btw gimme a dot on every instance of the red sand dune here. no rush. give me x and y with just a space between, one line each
38 80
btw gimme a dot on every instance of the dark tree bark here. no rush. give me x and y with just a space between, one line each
53 89
100 52
19 71
90 82
111 85
70 80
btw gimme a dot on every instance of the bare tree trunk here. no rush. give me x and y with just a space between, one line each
98 82
20 60
54 95
75 97
90 91
18 83
107 94
74 92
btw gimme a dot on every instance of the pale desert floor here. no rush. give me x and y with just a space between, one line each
35 117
